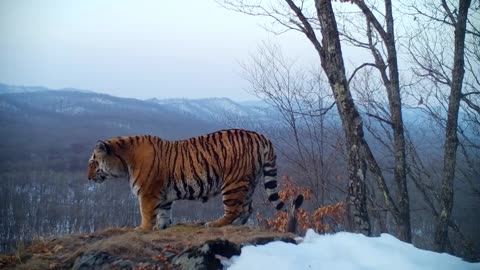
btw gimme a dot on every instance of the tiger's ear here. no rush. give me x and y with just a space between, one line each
102 148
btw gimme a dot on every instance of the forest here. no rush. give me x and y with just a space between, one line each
396 137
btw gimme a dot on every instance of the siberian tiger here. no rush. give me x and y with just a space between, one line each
227 162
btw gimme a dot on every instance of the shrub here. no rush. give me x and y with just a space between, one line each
324 219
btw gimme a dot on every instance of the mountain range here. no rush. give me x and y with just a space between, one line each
70 101
36 122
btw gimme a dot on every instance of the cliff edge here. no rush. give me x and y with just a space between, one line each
178 247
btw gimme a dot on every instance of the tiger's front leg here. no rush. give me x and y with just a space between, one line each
148 210
164 216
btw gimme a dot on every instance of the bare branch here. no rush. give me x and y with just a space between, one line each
448 12
380 119
359 68
307 27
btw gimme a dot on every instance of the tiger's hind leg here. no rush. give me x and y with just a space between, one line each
164 216
247 208
246 213
234 197
232 210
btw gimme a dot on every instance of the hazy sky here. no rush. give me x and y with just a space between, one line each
142 49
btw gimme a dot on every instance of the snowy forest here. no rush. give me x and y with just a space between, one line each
394 135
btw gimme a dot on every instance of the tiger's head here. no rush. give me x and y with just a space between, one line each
105 164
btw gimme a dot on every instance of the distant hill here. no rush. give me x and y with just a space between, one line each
48 127
4 88
69 101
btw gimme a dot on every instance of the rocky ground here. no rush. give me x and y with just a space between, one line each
178 247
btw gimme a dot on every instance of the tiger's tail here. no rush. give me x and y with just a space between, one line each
270 181
270 177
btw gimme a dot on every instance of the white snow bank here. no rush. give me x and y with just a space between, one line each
345 251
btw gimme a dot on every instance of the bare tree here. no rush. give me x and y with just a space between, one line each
379 39
305 138
444 69
451 140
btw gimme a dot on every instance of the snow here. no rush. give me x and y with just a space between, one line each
345 251
211 108
70 109
5 106
102 100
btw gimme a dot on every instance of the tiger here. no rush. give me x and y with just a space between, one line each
227 162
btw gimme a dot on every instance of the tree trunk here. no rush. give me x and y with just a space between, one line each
333 65
395 102
451 140
400 210
359 153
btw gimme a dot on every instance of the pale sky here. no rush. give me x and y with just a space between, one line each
141 49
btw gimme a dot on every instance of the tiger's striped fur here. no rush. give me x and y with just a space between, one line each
227 162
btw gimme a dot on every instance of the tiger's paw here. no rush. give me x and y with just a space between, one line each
298 201
162 223
209 224
214 224
161 226
142 229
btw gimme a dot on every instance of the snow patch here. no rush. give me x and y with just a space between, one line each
5 106
217 109
345 251
70 109
118 124
102 100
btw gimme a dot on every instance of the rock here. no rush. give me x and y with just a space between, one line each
104 261
206 256
99 260
265 240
